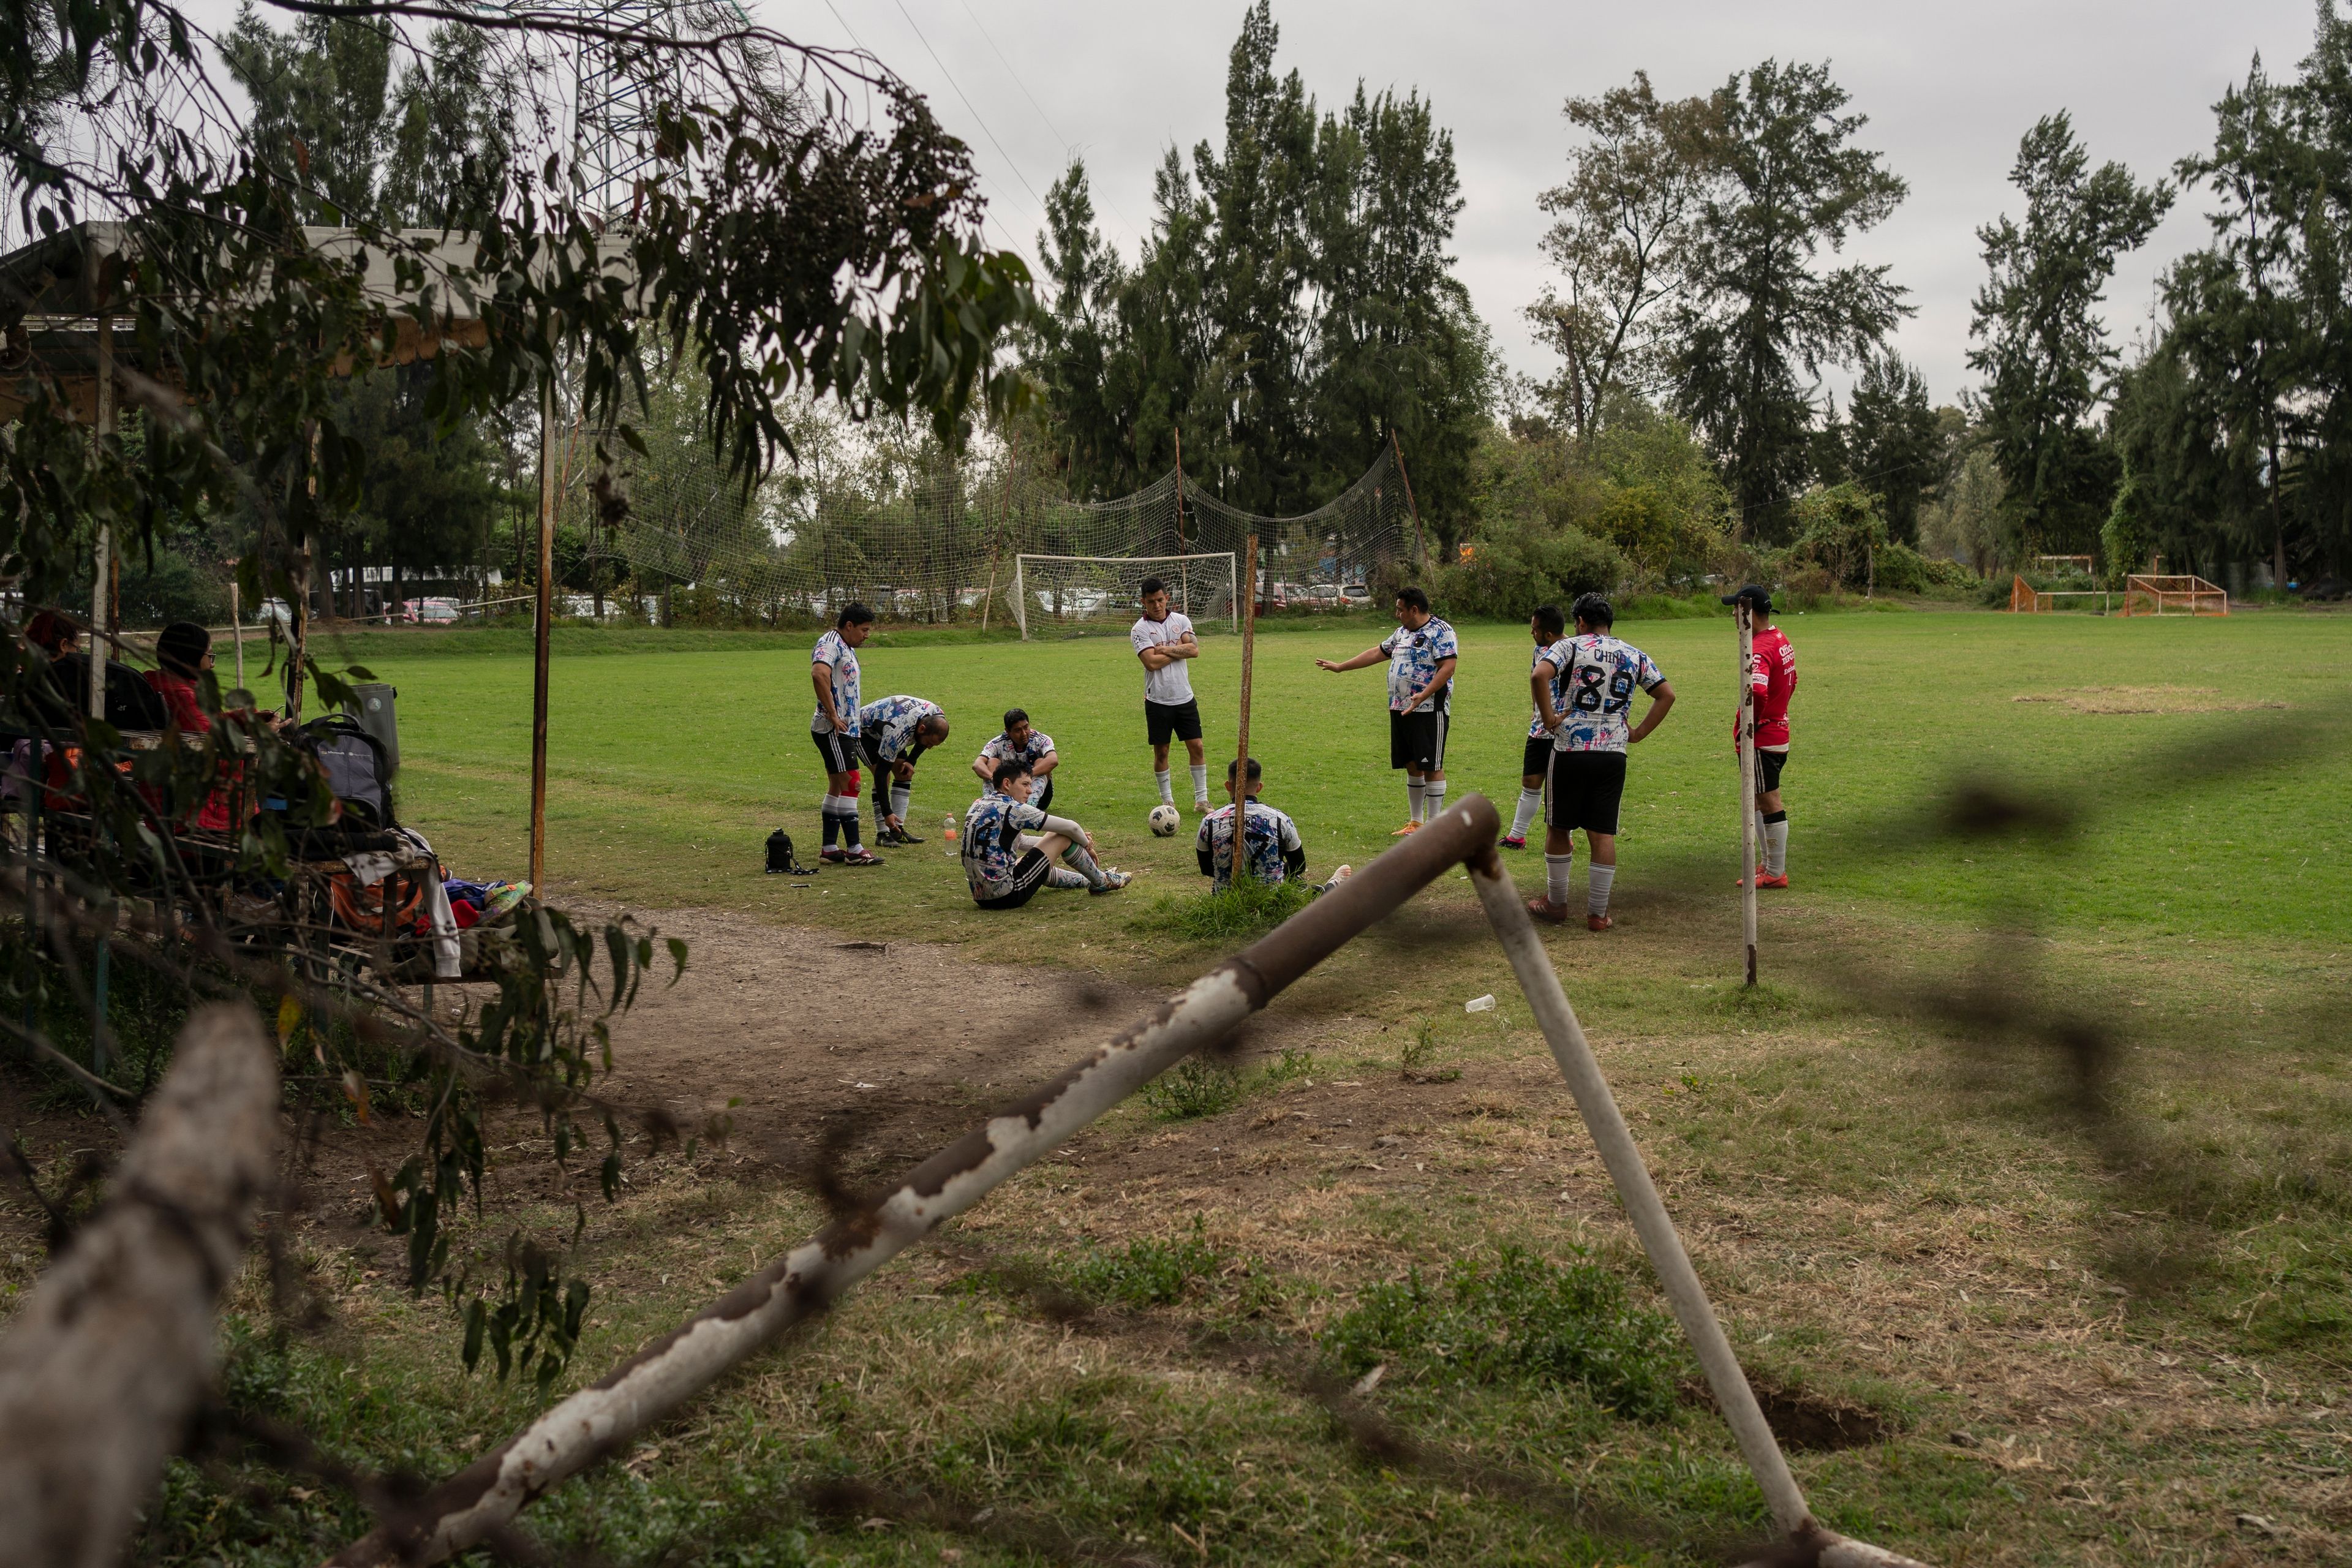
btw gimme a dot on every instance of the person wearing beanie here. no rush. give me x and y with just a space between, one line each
183 651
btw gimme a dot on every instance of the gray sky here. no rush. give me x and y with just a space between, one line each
1949 90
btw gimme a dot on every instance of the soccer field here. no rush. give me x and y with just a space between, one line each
669 769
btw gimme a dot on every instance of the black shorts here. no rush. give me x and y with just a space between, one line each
1042 799
1587 788
1177 721
1536 761
839 752
1767 769
1417 741
1028 875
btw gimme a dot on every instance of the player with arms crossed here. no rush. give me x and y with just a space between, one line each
1590 735
1010 845
1422 653
833 669
893 734
1020 743
1163 640
1546 625
1272 851
1772 677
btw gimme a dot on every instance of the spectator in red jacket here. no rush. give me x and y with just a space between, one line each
183 653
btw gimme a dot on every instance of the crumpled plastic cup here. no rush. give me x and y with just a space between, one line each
1480 1004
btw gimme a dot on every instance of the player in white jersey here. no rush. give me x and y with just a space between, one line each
1021 742
833 669
1163 640
1010 845
1547 626
1422 653
893 734
1272 850
1590 732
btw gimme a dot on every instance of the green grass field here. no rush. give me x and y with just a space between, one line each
2093 1296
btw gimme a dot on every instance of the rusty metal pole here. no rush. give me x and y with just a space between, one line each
1747 845
1241 766
538 648
658 1380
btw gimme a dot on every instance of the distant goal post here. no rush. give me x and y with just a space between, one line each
2149 594
1062 590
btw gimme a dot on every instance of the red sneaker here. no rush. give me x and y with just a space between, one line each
1545 909
1407 830
1597 923
1766 880
1512 842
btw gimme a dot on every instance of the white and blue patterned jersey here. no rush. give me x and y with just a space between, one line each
1536 732
1035 750
1602 674
1414 657
992 841
1270 845
890 723
831 650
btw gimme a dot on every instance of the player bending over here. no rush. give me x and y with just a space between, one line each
1589 732
1272 851
893 734
1009 847
1422 653
1163 640
1772 677
833 669
1546 625
1020 742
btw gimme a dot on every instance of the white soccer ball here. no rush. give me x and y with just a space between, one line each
1165 821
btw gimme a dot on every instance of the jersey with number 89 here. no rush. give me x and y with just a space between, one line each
1598 676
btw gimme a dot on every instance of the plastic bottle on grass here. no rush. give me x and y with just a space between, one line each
947 833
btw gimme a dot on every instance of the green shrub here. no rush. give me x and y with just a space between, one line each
1902 570
1513 567
1194 1088
1245 909
1518 1319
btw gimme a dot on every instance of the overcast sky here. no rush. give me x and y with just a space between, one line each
1948 88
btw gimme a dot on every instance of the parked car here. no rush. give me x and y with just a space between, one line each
274 612
429 612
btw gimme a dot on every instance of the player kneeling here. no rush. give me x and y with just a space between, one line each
1010 845
1272 851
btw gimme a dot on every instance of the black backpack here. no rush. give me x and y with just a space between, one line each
779 856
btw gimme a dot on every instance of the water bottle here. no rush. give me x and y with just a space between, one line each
948 835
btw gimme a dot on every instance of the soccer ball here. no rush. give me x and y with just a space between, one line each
1164 820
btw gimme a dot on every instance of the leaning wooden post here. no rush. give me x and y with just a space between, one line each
1003 521
1747 783
539 650
1183 567
1406 479
1249 653
237 630
100 646
113 1354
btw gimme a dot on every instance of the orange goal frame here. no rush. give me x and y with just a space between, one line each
2145 593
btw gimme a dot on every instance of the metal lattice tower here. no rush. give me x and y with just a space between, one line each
617 90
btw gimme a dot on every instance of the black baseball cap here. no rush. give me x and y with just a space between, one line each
1755 596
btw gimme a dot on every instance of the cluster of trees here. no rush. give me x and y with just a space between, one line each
1292 310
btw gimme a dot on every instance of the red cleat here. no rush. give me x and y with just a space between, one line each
1513 843
1597 923
1545 909
1766 880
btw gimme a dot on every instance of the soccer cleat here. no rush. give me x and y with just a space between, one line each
1407 829
1513 841
1113 881
1766 879
1201 806
861 856
898 835
1545 909
1597 923
831 854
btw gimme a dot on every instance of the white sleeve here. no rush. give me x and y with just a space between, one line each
1290 841
1061 825
1139 636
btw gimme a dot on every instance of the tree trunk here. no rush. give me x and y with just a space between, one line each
113 1353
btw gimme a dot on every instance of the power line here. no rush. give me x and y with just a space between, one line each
969 104
1068 147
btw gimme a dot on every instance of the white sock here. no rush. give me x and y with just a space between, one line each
1076 857
1776 848
900 795
1763 836
1530 801
832 806
1597 880
1412 798
1200 781
1433 799
1556 876
1167 789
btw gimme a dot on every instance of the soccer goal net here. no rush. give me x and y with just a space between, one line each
1062 590
2147 594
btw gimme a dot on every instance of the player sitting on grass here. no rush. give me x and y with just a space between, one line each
1590 735
1546 625
893 735
1422 653
1009 847
1272 851
1020 742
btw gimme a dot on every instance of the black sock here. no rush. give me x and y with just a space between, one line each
832 825
849 828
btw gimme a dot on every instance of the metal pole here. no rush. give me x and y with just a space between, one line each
1410 504
540 639
1003 521
1747 845
99 577
237 630
1240 767
1644 1207
1183 567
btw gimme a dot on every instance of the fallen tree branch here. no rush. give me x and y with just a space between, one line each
112 1355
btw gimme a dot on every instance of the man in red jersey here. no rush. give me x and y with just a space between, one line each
1772 677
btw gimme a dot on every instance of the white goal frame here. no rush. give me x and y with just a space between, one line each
1020 582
